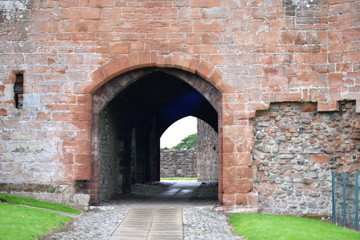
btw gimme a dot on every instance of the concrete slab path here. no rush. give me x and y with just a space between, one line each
144 223
159 218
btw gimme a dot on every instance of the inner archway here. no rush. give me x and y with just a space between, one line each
131 112
189 152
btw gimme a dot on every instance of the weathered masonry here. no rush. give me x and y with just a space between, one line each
207 152
178 163
87 88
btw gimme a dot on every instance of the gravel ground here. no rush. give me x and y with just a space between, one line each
206 224
200 221
97 224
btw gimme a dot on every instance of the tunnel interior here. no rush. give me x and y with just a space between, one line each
131 124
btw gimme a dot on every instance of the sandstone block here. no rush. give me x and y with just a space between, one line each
319 158
311 107
3 112
205 3
237 159
209 26
84 13
237 185
119 47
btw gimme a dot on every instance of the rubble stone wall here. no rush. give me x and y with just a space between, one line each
178 163
296 148
110 146
207 153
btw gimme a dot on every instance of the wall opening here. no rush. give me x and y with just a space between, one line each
177 132
19 90
194 154
178 158
127 128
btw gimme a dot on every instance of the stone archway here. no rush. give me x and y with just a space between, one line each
132 61
111 90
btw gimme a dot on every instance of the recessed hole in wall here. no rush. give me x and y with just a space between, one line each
81 186
19 90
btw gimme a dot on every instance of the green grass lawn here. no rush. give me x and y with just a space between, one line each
178 178
274 227
21 223
40 204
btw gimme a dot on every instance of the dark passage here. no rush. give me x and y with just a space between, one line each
131 125
176 193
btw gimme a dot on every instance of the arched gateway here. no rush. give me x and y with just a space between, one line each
133 104
131 112
134 99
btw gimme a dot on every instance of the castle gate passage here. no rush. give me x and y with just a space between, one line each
130 113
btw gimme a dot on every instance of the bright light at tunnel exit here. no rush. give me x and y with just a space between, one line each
177 131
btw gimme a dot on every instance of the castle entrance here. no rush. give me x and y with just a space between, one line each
131 112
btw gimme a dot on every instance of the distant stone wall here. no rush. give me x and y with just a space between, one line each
207 153
201 163
296 148
178 163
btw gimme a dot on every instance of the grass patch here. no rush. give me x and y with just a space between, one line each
21 223
178 178
262 226
40 204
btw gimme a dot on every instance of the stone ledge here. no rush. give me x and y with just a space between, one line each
77 200
328 106
234 209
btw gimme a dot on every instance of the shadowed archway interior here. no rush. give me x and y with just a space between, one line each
130 124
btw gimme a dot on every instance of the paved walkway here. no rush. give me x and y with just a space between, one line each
158 218
142 223
199 221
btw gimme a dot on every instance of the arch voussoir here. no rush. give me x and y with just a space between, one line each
138 60
204 69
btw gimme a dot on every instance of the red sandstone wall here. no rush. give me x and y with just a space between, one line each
255 52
